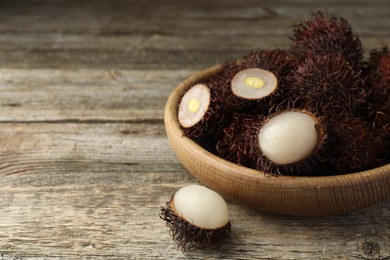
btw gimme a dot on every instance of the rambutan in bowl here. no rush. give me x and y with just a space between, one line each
288 195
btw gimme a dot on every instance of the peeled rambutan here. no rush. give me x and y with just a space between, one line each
289 142
326 84
293 142
323 34
197 217
255 83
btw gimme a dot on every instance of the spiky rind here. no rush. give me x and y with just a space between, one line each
357 146
378 82
239 142
326 84
188 235
323 34
376 75
379 116
278 61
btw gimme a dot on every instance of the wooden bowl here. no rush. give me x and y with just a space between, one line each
290 195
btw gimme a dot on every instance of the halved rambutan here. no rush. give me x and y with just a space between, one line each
201 112
255 83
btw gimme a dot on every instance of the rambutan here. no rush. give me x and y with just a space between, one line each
197 217
378 82
239 142
293 142
379 116
377 78
327 84
323 34
357 146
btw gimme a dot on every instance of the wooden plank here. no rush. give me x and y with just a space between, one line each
114 143
122 221
86 95
55 42
104 94
176 16
158 52
94 190
47 154
133 35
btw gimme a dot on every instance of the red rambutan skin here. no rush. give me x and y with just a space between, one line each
323 34
379 116
357 146
326 84
239 142
378 81
378 89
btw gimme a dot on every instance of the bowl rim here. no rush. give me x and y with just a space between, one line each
377 177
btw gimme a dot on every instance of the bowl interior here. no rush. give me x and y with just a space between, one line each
291 195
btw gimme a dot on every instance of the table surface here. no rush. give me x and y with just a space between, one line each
85 161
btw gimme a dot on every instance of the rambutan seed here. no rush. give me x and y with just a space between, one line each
194 105
254 83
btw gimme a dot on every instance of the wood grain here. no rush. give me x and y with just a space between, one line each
136 35
85 163
85 95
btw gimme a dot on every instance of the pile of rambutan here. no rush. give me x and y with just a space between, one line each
316 109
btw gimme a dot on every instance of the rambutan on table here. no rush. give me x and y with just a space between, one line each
85 163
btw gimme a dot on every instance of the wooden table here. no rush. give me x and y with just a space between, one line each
85 162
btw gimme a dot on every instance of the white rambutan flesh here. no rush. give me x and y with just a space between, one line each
289 137
194 105
201 207
254 83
